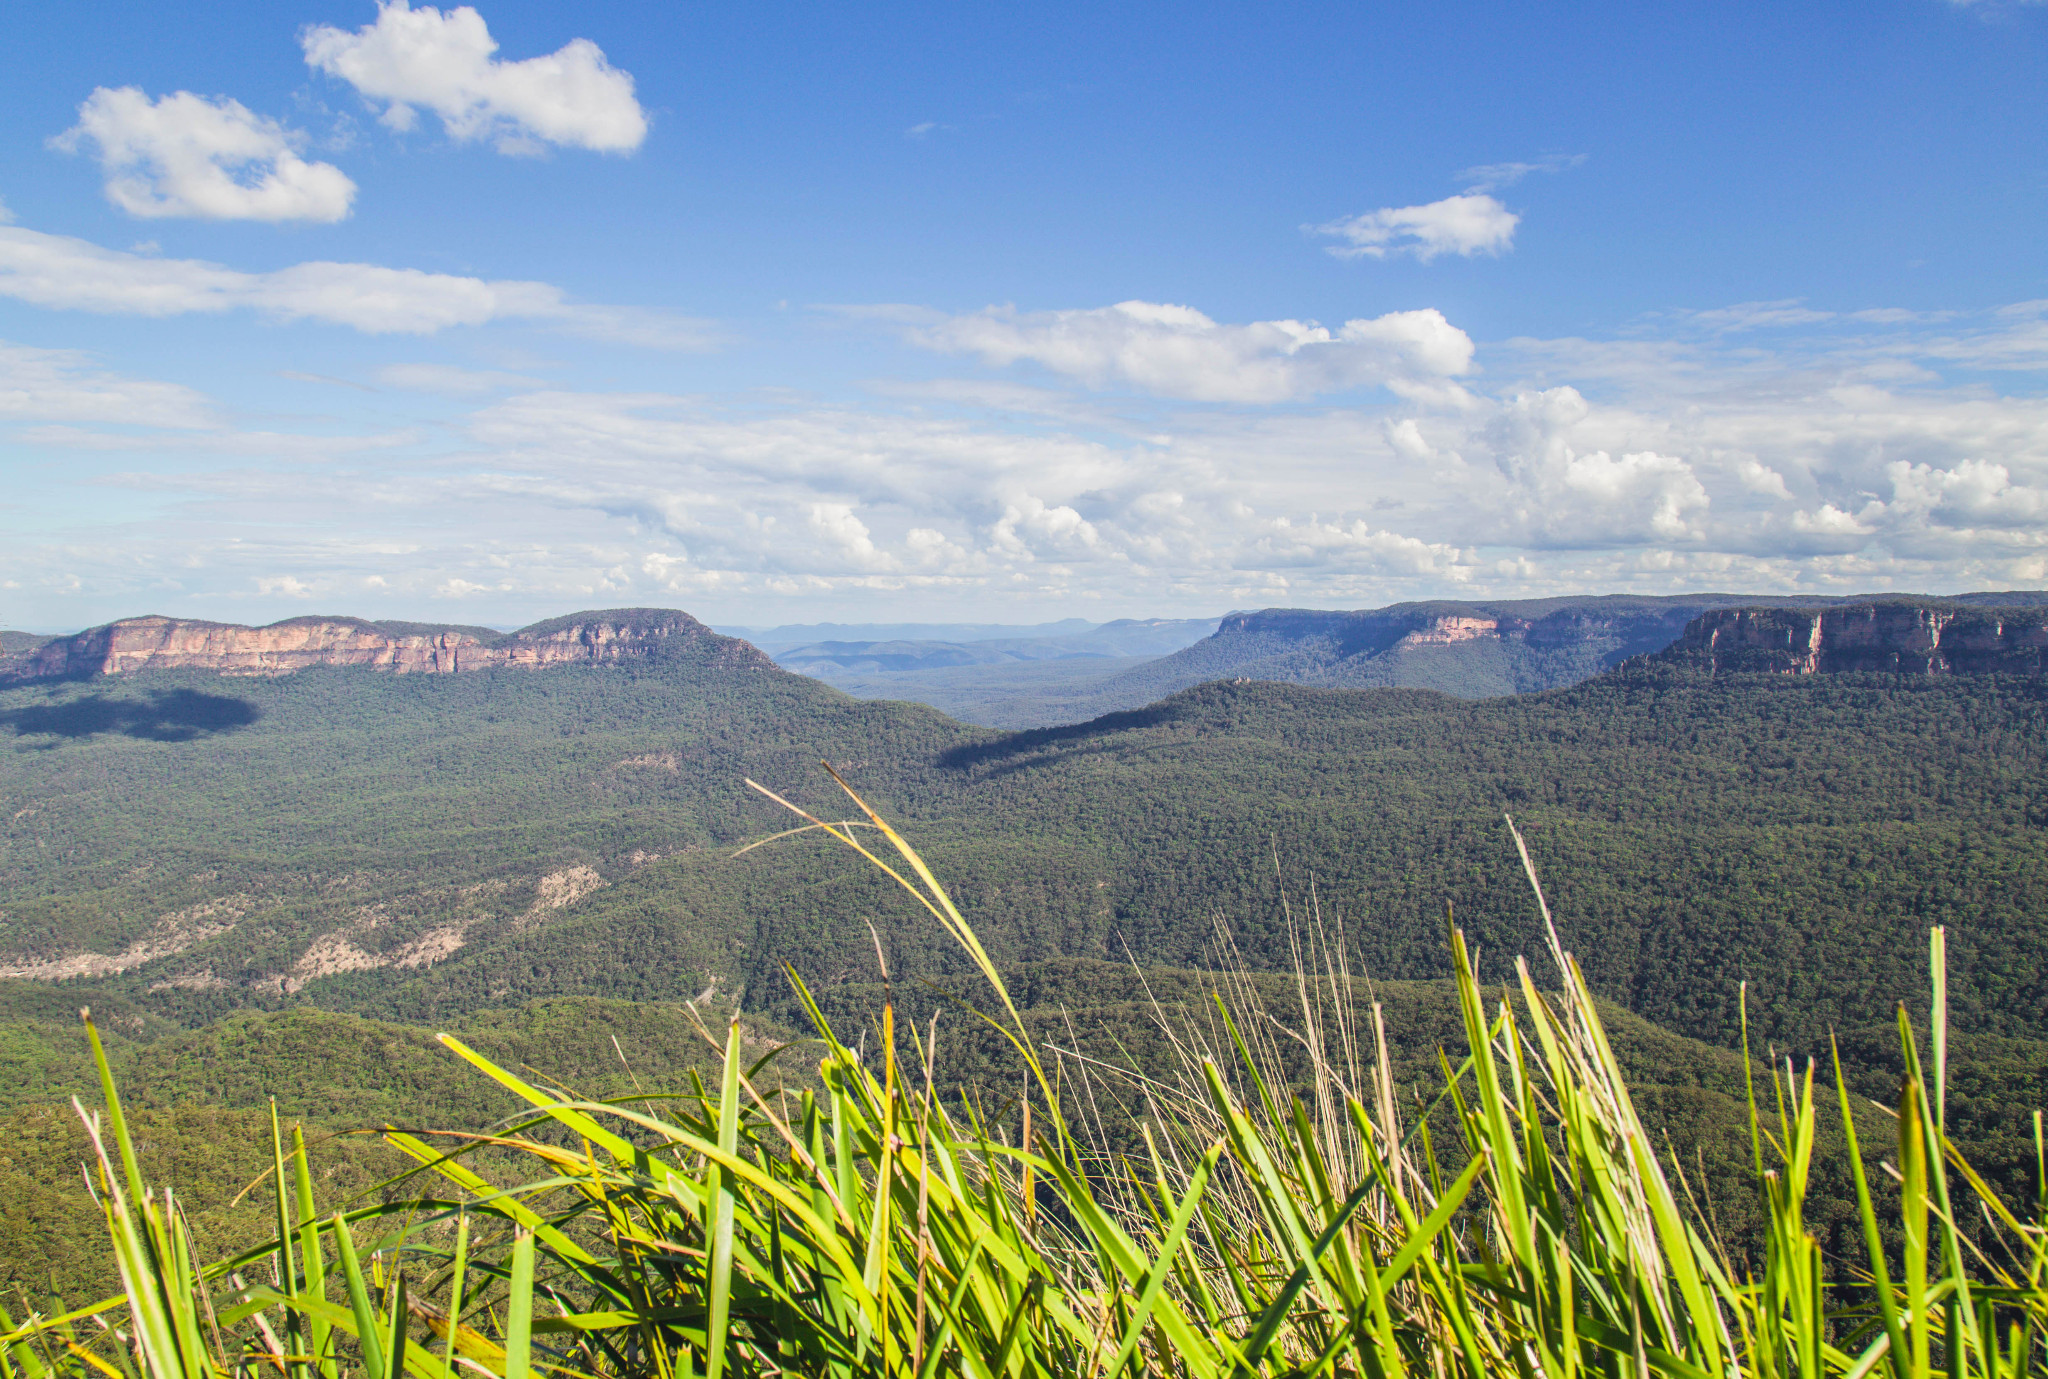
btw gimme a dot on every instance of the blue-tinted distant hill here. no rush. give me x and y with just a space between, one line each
1471 649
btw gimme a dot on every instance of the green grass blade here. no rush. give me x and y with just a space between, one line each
367 1329
519 1309
312 1265
394 1344
722 1206
458 1273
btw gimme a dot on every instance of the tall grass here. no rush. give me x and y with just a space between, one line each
1274 1221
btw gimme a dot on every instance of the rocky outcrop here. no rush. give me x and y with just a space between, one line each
160 643
1914 637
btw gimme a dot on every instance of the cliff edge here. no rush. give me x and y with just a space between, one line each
1913 637
160 643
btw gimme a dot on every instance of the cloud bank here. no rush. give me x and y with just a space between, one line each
1133 480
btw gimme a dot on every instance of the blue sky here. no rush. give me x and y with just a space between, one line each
780 313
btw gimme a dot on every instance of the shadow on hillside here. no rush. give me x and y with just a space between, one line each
165 716
1011 750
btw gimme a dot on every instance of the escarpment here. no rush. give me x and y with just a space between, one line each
1914 637
161 643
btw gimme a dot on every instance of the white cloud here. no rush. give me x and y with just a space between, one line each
1761 478
71 274
1285 544
66 386
1030 527
413 59
1176 351
1565 495
1406 437
1469 224
836 526
186 155
1828 520
1974 494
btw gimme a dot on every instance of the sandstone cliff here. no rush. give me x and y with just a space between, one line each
160 643
1908 636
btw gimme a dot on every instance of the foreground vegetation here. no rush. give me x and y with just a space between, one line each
1290 1211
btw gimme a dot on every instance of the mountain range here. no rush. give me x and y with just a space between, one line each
1028 677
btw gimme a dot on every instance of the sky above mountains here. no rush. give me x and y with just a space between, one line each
780 313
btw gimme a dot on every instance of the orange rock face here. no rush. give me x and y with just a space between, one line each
1447 631
1899 637
134 644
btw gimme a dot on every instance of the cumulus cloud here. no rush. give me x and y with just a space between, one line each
423 59
1176 351
1469 224
71 274
1976 493
1761 478
186 155
1567 496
